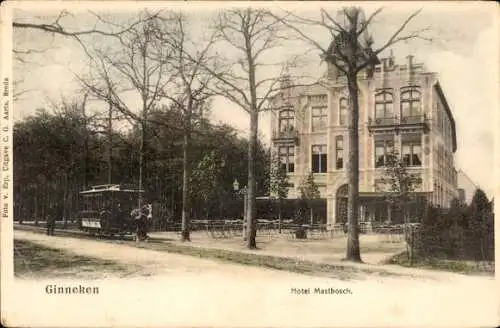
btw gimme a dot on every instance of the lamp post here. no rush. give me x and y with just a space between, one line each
236 187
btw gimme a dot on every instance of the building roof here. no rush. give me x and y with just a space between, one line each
440 93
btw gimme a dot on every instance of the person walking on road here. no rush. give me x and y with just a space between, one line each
51 221
142 217
137 216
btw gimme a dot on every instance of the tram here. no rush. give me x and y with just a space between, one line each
107 210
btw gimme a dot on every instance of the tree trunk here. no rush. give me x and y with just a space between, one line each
353 252
141 165
251 205
185 234
110 144
65 202
407 232
311 215
279 214
252 144
245 215
172 198
85 146
36 211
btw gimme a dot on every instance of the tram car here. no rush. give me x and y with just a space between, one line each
107 210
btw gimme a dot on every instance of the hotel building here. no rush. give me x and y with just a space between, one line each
402 107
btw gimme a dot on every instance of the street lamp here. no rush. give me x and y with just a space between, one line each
236 187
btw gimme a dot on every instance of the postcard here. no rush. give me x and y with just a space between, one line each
248 164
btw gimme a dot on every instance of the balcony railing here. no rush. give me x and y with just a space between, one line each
383 121
415 119
398 123
289 135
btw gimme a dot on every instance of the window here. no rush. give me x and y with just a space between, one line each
412 153
286 118
319 159
286 154
382 149
383 104
339 152
410 103
343 106
319 118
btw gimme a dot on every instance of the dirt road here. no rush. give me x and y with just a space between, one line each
182 290
147 262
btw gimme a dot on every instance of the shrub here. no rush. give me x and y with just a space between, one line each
461 232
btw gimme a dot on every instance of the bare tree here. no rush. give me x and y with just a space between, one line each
189 91
249 78
158 61
60 25
351 52
134 65
57 27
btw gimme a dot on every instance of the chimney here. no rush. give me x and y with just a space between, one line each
286 83
383 65
382 71
409 59
391 59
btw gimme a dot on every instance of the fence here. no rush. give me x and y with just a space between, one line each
287 229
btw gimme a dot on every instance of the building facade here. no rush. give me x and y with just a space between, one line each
402 107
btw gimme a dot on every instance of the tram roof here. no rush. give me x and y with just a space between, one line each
109 188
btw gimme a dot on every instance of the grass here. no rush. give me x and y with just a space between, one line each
342 272
31 259
345 271
436 263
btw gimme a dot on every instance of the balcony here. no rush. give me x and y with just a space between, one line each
395 123
286 136
415 122
383 121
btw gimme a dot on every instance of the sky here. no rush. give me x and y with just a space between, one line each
463 51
